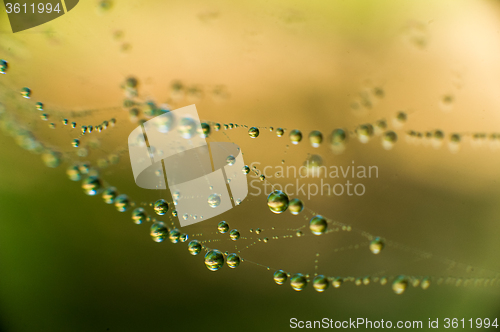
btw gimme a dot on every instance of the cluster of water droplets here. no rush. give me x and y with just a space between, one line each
278 202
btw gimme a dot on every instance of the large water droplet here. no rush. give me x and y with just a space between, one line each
214 260
161 207
298 282
318 225
277 201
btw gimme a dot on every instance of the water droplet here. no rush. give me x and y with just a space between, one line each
298 282
383 281
139 215
184 237
205 130
376 245
51 159
109 195
174 235
187 128
337 282
161 207
214 200
299 233
217 126
75 143
277 201
318 225
295 206
316 138
279 132
194 247
214 260
338 140
246 169
230 160
39 106
280 277
253 132
262 177
234 234
426 282
91 185
73 173
4 66
401 118
364 132
122 203
158 232
26 92
223 227
320 283
104 6
389 139
295 136
399 284
233 261
258 231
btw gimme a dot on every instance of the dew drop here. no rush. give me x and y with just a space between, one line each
26 92
318 225
295 136
389 139
234 234
399 284
315 138
214 260
205 130
376 245
364 132
73 173
194 247
109 195
337 282
277 201
187 128
174 235
214 200
223 227
91 185
230 160
253 132
161 207
139 215
320 283
158 232
4 66
233 261
280 277
295 206
338 140
122 203
298 282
